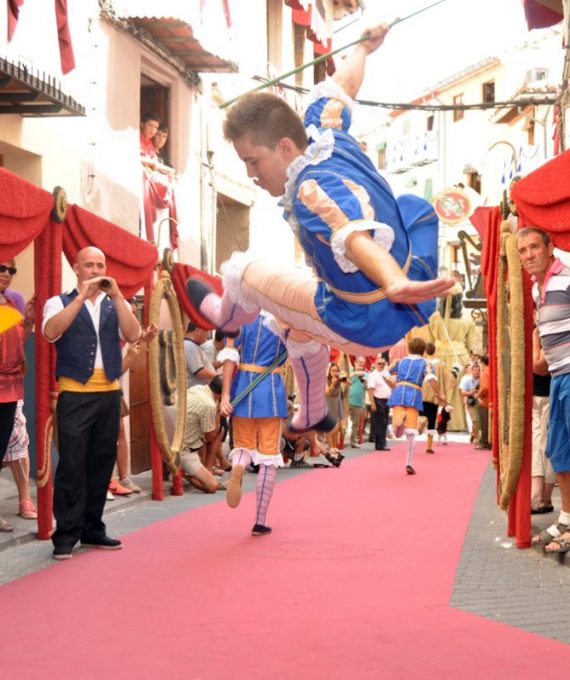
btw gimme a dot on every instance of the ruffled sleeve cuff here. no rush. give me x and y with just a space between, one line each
228 354
382 234
331 90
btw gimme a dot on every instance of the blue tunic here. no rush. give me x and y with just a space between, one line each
411 369
336 188
258 346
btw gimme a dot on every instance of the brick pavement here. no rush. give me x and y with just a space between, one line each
494 579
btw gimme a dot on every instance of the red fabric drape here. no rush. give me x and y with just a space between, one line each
539 15
159 194
13 16
488 223
64 37
179 275
24 212
543 199
130 260
47 281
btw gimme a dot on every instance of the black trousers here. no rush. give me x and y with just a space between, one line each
87 430
380 420
7 416
430 412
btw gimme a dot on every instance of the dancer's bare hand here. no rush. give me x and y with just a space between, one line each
409 292
377 34
226 409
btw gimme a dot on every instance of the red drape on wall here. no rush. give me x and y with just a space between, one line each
13 16
64 37
158 192
130 260
179 275
488 223
24 212
543 13
543 199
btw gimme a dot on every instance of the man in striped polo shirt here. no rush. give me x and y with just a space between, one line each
551 294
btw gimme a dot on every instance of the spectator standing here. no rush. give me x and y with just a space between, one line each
12 364
335 387
483 404
199 367
149 125
213 347
159 142
357 399
87 326
17 458
431 397
551 294
379 386
468 386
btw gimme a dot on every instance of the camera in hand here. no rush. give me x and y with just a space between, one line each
343 379
104 285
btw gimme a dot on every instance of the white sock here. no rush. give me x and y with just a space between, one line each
564 518
411 437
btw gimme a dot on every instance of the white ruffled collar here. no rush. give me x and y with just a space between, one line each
319 150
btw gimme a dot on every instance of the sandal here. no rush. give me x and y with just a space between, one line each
27 510
558 546
548 535
5 526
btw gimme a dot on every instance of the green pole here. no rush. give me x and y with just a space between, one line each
318 60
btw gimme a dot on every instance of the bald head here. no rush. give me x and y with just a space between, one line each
89 263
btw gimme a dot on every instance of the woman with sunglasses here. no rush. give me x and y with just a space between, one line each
12 363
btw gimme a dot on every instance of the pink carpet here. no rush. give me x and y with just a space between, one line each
353 583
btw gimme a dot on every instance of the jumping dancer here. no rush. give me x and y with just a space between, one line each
375 257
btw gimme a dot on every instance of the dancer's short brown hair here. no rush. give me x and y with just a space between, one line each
266 118
417 346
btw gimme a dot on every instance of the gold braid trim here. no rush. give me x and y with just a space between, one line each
170 450
513 401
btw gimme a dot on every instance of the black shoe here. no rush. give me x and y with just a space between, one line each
335 461
410 470
301 463
384 448
62 553
103 543
260 530
197 289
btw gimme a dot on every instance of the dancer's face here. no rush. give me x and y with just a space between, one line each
267 167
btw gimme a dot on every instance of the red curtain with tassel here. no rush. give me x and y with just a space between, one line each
24 212
543 199
47 280
64 37
158 192
130 260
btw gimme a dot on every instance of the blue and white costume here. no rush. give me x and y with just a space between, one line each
410 372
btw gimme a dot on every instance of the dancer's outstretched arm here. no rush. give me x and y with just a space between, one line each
377 263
